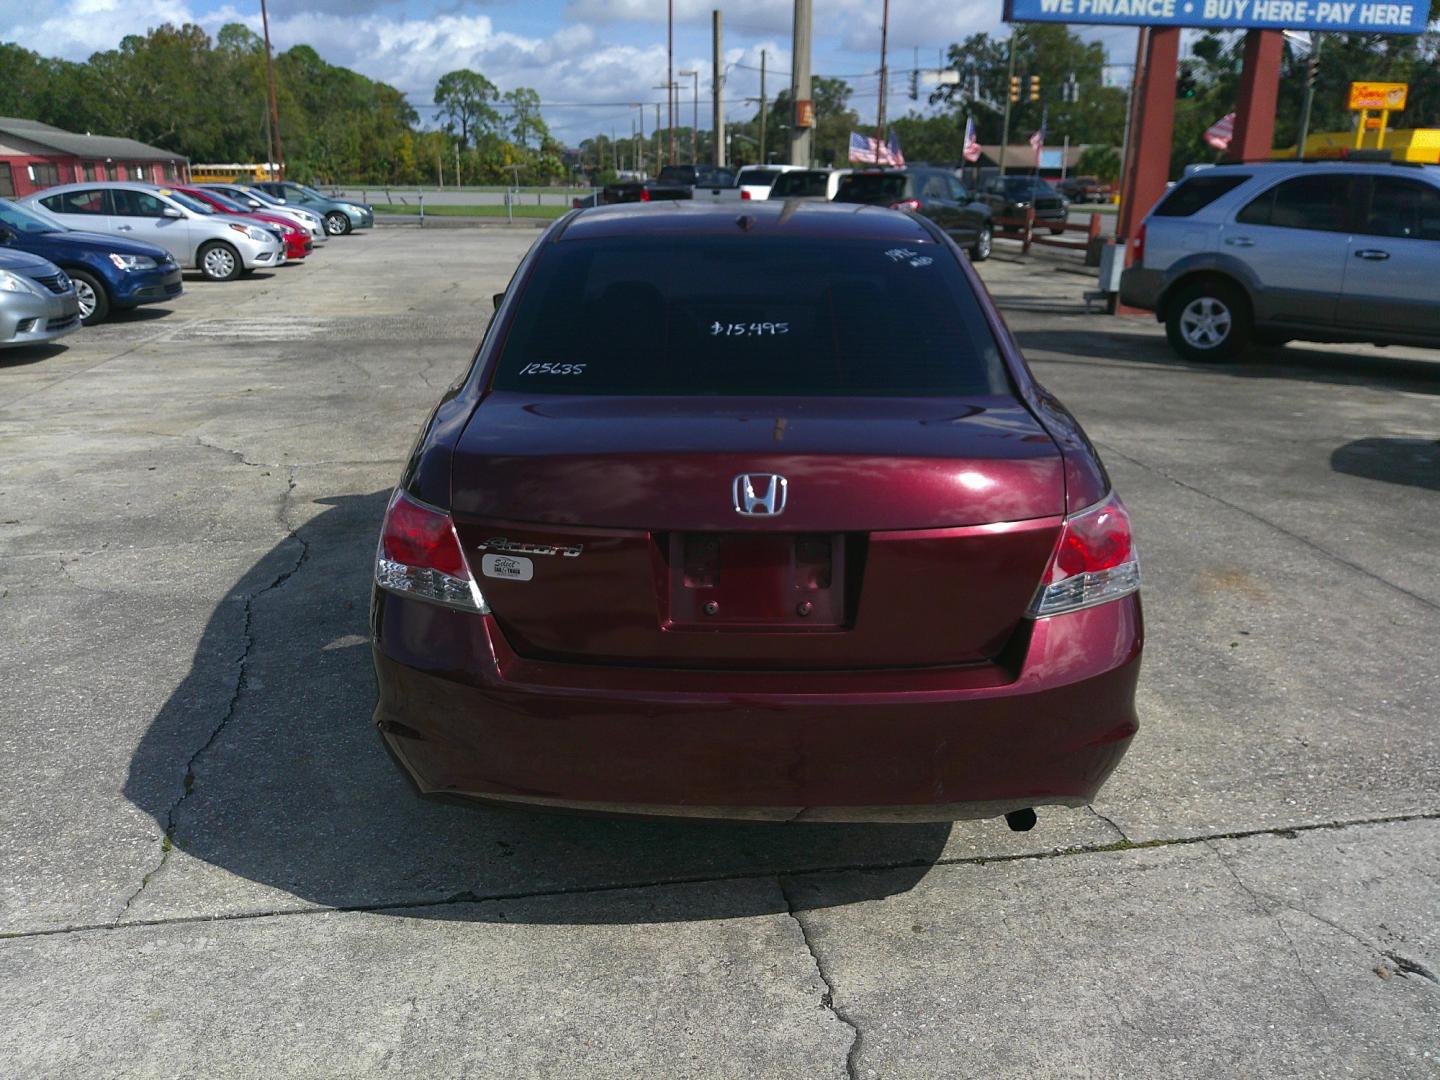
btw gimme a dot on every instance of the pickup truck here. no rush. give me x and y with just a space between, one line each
677 182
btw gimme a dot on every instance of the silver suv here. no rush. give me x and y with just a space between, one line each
1277 252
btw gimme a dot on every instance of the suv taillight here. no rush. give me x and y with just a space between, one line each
744 194
906 204
644 195
419 555
1139 245
1094 562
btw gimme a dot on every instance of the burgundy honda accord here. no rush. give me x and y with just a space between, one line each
755 514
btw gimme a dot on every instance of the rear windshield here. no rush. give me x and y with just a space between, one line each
1196 193
751 316
759 177
871 187
799 184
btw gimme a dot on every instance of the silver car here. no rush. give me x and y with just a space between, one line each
1274 252
256 199
218 245
37 300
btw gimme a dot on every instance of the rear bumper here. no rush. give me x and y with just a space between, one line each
465 716
1140 287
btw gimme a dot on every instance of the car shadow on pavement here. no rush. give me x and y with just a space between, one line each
1294 361
30 354
264 762
1413 462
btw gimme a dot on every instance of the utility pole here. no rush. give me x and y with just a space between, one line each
659 149
717 79
1312 69
278 155
1009 84
670 77
457 163
694 115
880 114
800 148
763 159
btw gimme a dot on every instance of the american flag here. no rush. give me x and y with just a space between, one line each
867 150
1037 140
972 144
1221 132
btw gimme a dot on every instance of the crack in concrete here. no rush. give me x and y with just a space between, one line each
468 896
247 639
1118 831
827 999
1281 529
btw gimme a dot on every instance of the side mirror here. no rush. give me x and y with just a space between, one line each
254 204
171 212
497 299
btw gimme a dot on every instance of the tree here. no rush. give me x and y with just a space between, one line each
525 120
1102 162
465 98
834 120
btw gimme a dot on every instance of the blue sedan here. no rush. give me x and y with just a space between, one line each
110 273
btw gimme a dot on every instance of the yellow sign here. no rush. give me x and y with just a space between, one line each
1378 95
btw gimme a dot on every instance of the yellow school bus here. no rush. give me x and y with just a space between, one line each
232 173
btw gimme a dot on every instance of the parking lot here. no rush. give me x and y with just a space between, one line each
210 867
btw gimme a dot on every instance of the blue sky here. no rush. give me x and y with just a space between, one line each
579 54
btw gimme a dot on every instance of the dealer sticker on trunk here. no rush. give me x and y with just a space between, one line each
511 567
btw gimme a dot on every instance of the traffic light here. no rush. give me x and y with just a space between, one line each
1015 88
1070 88
1034 88
1185 83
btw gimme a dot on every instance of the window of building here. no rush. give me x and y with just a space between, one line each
45 174
138 171
111 171
7 179
87 171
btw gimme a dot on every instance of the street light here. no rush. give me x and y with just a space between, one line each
695 121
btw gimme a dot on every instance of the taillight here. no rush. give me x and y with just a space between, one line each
1094 562
906 204
744 194
1139 246
419 555
644 195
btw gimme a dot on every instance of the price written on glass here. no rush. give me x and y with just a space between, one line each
754 329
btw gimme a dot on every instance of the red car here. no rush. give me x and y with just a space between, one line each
758 514
298 243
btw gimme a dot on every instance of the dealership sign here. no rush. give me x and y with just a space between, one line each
1378 95
1354 16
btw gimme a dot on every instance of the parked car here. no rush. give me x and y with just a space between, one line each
818 184
768 521
219 247
1012 196
297 238
254 199
1269 253
686 182
341 216
932 193
755 181
1084 189
37 300
110 274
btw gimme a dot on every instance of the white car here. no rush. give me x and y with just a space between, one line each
754 181
218 245
811 185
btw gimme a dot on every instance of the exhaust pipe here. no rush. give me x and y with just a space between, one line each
1021 820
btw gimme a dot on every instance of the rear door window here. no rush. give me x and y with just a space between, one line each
88 201
1192 195
1319 202
1402 208
749 316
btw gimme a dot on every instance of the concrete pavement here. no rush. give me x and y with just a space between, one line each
209 867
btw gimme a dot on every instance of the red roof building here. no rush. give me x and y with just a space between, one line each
35 155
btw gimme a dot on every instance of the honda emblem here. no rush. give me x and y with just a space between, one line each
759 494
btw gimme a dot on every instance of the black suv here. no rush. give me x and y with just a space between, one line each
933 193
